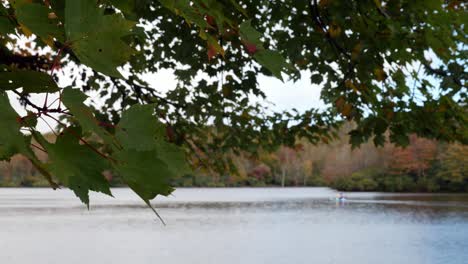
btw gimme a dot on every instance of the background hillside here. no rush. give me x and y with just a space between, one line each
423 166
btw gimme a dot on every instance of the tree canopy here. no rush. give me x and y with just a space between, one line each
396 67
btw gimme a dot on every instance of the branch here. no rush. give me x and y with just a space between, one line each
26 62
318 21
348 74
382 12
313 9
39 148
195 150
40 109
160 98
50 127
139 94
442 73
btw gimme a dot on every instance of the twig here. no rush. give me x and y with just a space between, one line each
39 148
415 81
318 21
53 102
194 148
160 98
155 212
50 127
38 108
441 73
53 66
314 12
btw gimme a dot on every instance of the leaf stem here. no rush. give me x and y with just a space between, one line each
50 127
39 148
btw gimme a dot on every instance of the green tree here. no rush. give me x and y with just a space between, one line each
377 61
453 170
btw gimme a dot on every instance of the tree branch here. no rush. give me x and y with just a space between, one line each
314 12
40 109
442 73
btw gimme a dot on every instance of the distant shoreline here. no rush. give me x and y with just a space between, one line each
261 187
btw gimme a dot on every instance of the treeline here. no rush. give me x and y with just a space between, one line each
423 166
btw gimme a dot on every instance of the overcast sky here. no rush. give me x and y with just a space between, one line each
301 95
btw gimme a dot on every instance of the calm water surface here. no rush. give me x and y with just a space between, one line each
268 225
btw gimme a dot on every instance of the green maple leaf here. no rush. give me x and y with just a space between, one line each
147 161
316 78
96 38
273 61
173 156
12 141
30 120
76 165
35 17
30 81
250 34
6 25
142 135
59 8
270 59
138 129
145 173
130 8
185 9
74 99
239 7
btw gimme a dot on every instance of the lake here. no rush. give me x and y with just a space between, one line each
245 225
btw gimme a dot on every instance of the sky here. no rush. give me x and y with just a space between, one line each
301 95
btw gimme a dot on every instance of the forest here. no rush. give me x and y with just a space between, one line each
423 166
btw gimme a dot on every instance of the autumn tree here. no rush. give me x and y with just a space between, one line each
379 64
415 159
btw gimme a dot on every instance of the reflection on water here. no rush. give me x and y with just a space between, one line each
268 225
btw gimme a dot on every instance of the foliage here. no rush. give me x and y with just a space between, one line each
378 62
415 159
453 169
358 181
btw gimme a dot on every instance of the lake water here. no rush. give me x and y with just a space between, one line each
266 225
